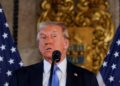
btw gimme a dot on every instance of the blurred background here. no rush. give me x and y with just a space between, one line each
91 24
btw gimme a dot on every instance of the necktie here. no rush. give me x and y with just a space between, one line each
55 79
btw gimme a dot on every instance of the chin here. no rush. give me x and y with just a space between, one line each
48 56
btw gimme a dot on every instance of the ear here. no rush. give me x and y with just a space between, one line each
66 44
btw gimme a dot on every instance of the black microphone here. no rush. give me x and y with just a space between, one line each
55 58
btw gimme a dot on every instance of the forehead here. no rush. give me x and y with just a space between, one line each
51 28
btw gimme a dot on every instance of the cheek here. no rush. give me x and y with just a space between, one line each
63 45
41 47
66 44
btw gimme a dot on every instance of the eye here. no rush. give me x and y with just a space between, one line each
54 35
43 37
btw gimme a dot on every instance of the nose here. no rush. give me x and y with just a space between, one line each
49 40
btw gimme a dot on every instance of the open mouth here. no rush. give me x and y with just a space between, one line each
49 49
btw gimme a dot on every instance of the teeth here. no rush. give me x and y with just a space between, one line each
48 48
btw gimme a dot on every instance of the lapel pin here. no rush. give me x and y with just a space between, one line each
75 74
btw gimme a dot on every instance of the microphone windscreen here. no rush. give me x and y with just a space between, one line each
56 55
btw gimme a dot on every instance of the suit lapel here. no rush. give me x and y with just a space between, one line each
36 76
69 75
73 76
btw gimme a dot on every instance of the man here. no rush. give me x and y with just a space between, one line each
53 36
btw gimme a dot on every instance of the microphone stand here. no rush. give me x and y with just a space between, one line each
55 58
51 73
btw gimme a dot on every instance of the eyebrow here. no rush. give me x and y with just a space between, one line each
42 34
54 31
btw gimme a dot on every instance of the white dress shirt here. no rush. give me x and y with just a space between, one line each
61 73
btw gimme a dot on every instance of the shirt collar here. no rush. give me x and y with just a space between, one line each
47 66
62 66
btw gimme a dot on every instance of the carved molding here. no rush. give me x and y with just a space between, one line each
90 27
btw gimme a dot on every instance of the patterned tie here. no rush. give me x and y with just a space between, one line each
55 80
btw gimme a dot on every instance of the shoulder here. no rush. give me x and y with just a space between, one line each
86 75
82 71
22 75
30 68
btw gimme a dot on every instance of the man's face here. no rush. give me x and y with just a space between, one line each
51 38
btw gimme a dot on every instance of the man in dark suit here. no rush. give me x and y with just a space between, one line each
53 36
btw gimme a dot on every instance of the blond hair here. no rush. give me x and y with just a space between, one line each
43 25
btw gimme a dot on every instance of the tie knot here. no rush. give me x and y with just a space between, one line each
56 68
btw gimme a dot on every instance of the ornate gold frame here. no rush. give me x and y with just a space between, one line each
90 26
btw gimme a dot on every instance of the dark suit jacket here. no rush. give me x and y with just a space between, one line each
33 76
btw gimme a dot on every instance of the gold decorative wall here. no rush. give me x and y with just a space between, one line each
90 28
